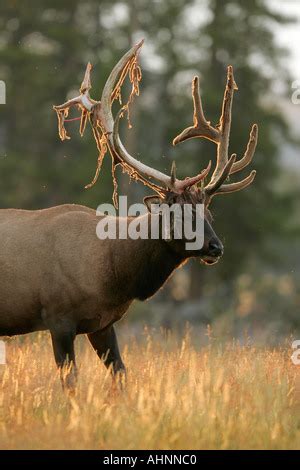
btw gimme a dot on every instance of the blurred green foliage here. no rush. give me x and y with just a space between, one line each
44 47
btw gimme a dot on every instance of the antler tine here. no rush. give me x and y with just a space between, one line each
232 187
224 125
217 184
201 127
248 155
86 84
190 181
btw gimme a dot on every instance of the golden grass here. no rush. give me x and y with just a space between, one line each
176 398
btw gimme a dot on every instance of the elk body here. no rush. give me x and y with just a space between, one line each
57 275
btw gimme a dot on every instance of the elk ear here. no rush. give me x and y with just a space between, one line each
148 200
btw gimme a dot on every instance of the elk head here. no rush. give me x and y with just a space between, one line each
168 188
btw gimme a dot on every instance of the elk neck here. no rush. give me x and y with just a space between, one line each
144 265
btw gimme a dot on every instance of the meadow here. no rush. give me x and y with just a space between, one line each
177 396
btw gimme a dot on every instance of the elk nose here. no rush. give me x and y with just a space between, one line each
215 248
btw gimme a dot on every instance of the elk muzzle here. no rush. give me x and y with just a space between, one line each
213 252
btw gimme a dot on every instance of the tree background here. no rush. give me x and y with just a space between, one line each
44 48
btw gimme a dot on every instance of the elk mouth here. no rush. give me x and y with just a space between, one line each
209 260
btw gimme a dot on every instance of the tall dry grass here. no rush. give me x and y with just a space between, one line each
228 397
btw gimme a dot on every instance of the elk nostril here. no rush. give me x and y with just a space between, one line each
215 248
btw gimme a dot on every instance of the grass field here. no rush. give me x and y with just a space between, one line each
176 397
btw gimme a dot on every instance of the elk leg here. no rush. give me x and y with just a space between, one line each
106 346
63 348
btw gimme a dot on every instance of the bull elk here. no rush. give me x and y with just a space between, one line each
57 275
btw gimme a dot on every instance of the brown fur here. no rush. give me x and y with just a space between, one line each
56 274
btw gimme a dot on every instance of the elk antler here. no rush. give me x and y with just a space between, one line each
106 128
100 120
132 165
225 166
